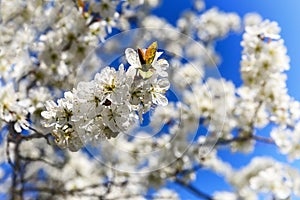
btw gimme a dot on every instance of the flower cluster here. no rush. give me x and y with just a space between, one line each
288 140
265 175
109 104
264 53
214 24
264 93
12 110
45 41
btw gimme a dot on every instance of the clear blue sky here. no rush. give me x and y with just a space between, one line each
287 14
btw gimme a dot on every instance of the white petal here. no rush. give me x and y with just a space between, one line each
160 99
163 73
164 84
50 104
131 56
163 64
131 72
157 55
17 127
25 125
47 114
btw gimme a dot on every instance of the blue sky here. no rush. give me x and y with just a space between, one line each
287 14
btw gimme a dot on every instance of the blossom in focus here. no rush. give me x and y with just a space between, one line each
107 105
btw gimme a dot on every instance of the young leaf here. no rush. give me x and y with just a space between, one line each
150 53
141 56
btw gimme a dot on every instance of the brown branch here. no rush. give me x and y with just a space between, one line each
250 136
14 137
59 191
193 189
76 191
263 139
29 159
37 135
245 138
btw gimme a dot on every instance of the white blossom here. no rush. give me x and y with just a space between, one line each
105 106
166 194
213 24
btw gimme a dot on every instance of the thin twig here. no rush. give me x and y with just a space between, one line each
29 159
193 189
246 138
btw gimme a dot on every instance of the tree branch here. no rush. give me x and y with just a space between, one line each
246 138
193 189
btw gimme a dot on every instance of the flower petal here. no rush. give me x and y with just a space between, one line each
131 56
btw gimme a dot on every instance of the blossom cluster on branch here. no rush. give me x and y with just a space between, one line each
108 105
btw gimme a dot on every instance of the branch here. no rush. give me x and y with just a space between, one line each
184 172
263 139
76 191
250 136
29 159
14 160
13 137
193 189
59 191
246 138
37 135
